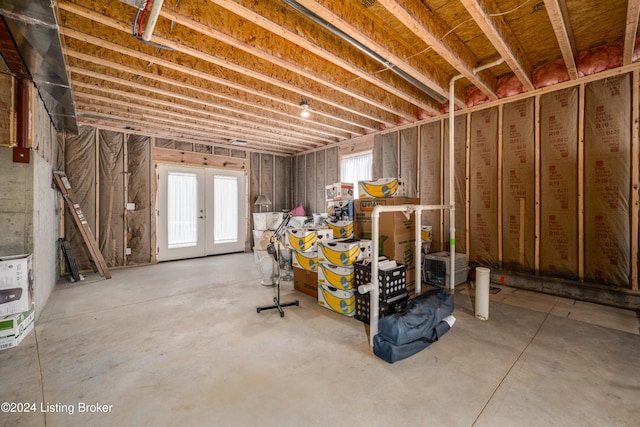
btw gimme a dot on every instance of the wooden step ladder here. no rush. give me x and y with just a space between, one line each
95 256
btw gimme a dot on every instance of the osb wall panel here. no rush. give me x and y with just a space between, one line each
431 179
409 159
80 168
607 157
559 183
138 221
460 178
111 192
518 185
483 198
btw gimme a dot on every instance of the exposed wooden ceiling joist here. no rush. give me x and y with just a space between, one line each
488 17
559 17
221 70
631 30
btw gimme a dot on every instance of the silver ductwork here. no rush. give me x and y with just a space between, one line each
34 30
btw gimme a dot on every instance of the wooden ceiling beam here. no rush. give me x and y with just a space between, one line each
352 120
285 122
195 121
104 121
559 17
631 31
110 88
432 29
495 27
319 62
306 88
150 119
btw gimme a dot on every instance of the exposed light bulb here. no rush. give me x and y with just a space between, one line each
305 109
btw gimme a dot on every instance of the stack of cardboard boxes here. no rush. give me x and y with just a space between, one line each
339 201
17 311
336 289
303 243
396 230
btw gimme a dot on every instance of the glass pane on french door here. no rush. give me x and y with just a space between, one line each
225 209
226 201
182 209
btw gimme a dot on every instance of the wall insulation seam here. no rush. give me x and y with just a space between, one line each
500 188
635 178
581 201
536 173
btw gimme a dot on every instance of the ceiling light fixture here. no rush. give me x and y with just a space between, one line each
305 108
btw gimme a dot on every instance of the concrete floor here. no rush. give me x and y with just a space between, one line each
181 343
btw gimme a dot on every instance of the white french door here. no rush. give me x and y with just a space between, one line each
201 211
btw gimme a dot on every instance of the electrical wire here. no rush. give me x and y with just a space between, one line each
137 28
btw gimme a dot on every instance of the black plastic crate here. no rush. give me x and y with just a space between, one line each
391 282
391 306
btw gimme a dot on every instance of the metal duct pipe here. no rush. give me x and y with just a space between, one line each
364 49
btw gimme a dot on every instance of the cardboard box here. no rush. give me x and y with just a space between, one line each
341 229
343 252
306 239
15 327
305 260
339 191
340 277
305 281
338 300
340 210
383 187
16 284
390 222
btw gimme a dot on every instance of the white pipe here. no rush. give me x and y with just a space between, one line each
452 200
152 20
452 193
482 293
488 65
373 288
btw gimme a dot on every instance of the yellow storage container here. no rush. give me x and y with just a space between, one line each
336 276
341 229
338 300
306 239
305 260
383 187
343 251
